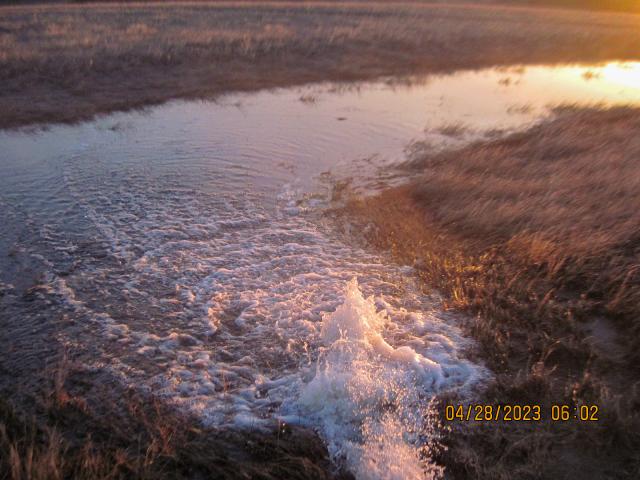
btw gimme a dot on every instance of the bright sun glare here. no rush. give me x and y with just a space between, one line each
622 74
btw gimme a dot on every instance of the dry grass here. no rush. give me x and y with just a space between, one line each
560 197
102 435
536 236
69 62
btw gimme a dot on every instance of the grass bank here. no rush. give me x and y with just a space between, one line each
535 236
73 428
64 63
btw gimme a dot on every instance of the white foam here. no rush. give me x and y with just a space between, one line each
362 371
370 400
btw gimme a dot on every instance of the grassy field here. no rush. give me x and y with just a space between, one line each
535 235
65 63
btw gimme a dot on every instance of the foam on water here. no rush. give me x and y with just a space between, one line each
370 400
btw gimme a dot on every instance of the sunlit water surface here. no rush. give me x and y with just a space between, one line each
181 250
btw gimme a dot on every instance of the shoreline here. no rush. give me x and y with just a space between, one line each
61 66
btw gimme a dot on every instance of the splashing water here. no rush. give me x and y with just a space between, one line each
371 401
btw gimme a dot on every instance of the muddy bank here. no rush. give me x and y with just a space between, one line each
65 63
535 235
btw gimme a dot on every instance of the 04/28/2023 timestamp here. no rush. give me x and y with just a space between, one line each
521 413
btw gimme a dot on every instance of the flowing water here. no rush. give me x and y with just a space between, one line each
183 251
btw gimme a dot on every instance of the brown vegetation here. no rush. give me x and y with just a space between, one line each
98 434
536 236
68 62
